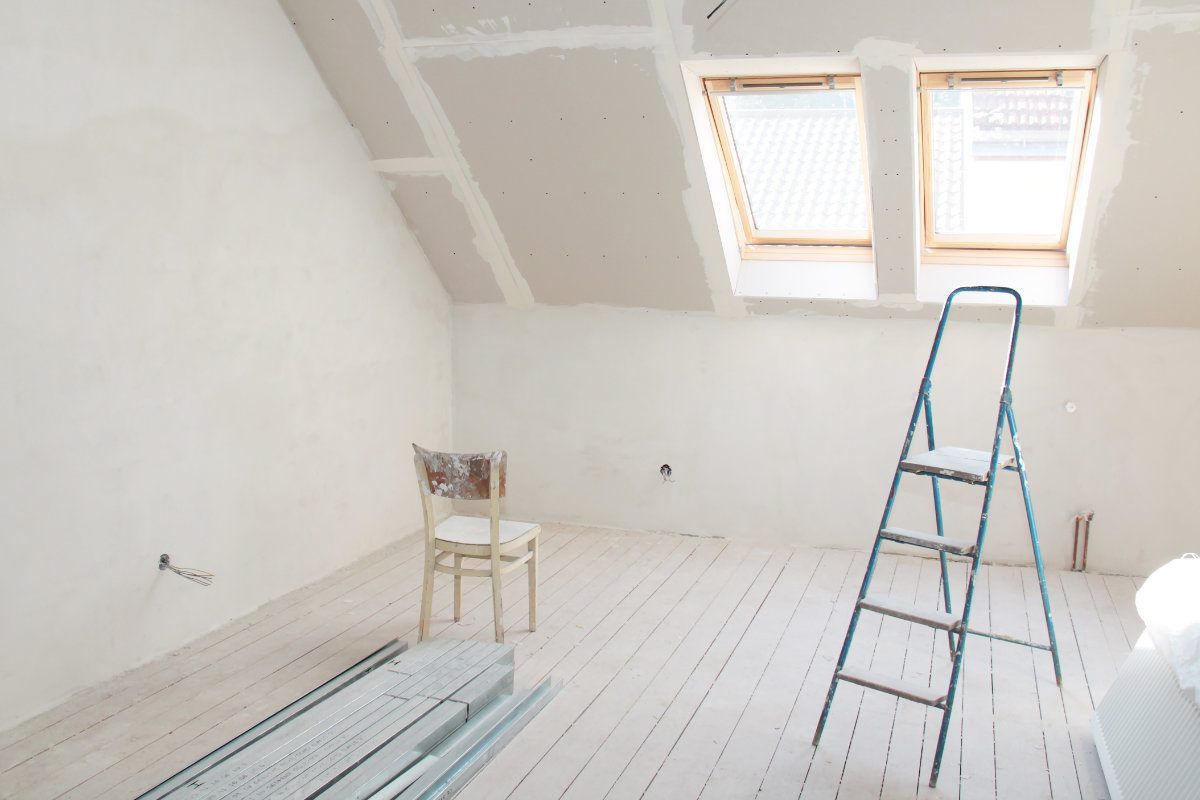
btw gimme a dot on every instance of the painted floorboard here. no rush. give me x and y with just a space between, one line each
691 667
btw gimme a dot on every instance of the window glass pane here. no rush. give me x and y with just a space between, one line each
1002 158
801 159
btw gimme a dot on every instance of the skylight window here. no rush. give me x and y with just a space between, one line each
1000 155
792 149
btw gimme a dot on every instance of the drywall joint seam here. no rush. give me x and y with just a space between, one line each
891 163
422 165
1115 95
477 44
443 144
696 201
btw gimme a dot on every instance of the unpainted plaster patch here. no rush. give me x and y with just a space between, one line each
441 226
476 44
843 308
1185 12
875 50
426 165
768 27
340 41
1146 242
579 158
696 199
909 311
1119 90
887 69
455 17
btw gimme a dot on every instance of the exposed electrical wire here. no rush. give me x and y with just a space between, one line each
202 577
715 10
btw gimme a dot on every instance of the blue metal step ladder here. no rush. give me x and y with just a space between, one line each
974 467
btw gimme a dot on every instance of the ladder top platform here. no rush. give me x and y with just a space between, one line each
956 463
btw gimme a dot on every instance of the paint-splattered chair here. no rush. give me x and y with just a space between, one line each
504 545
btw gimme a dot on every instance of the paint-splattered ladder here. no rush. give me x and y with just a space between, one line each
975 467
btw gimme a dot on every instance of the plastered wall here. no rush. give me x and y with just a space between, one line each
788 428
218 336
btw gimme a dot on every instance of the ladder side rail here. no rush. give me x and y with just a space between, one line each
937 515
969 596
1013 331
1033 536
922 404
1011 419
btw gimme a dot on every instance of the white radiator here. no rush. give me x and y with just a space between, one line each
1148 731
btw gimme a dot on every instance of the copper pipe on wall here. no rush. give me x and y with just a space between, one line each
1082 531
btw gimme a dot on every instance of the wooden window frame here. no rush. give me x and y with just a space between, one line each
849 245
1011 248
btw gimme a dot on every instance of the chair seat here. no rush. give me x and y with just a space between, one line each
477 531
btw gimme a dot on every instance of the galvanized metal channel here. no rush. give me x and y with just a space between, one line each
413 723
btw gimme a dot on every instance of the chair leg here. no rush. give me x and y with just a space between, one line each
458 588
532 568
426 595
497 602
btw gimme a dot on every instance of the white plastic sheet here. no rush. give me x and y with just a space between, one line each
1169 604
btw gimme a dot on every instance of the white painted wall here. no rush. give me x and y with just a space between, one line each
218 336
787 428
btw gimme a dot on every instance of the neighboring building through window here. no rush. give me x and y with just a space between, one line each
1000 157
794 159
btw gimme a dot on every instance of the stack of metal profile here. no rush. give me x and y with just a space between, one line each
402 723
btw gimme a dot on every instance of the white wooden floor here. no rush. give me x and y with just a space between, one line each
691 668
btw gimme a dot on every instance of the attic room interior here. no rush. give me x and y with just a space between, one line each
599 399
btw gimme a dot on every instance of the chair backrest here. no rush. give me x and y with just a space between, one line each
462 476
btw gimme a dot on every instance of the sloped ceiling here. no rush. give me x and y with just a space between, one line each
542 150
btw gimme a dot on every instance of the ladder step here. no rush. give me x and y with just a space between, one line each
906 611
956 463
959 547
928 695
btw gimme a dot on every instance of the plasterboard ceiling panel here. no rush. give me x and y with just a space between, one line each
1160 6
342 44
1145 269
582 165
442 228
768 27
455 17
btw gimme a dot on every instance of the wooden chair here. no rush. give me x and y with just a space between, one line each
503 544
